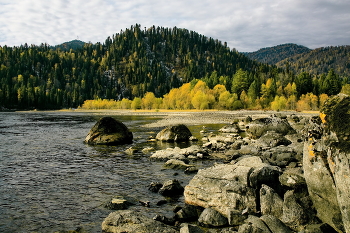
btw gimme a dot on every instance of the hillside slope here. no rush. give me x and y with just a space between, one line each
126 65
321 60
275 54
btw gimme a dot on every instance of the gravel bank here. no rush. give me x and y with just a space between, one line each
215 117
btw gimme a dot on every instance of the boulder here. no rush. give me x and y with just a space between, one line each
212 218
319 228
177 153
272 139
133 222
176 133
119 203
190 228
280 156
270 202
154 186
293 213
224 187
188 213
265 175
235 217
191 170
326 162
253 224
171 188
260 126
274 224
109 131
293 178
231 128
169 153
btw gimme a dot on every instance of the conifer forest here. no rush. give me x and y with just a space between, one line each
166 68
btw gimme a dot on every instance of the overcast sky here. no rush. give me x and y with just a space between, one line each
246 25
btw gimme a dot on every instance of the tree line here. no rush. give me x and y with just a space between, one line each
270 95
138 61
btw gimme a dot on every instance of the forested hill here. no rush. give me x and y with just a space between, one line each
74 44
320 61
127 65
156 62
272 55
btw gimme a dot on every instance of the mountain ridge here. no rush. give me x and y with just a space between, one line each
274 54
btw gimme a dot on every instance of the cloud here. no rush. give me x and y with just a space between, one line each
246 25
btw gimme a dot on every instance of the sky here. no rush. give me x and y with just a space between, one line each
246 25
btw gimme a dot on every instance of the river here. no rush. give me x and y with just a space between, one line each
51 181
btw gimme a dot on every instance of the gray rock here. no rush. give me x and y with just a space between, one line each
293 178
274 224
270 202
119 203
293 212
326 161
148 150
171 188
231 128
190 228
224 187
253 224
280 156
265 175
177 153
211 217
177 133
133 222
191 170
259 127
188 213
109 131
169 153
272 139
155 186
235 217
177 164
319 228
131 151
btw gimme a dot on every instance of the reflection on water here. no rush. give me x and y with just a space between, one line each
51 181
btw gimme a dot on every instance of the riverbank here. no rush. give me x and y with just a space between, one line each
195 117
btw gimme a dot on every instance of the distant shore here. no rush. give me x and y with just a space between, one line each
195 117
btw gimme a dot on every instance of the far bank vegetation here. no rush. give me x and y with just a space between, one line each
197 95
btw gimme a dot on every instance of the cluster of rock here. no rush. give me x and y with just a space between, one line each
274 177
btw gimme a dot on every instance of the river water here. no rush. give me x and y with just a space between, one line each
51 181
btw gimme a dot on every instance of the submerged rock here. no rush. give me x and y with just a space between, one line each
109 131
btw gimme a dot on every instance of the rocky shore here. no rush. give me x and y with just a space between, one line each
274 172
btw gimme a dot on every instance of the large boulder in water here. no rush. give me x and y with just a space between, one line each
326 163
109 131
176 133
